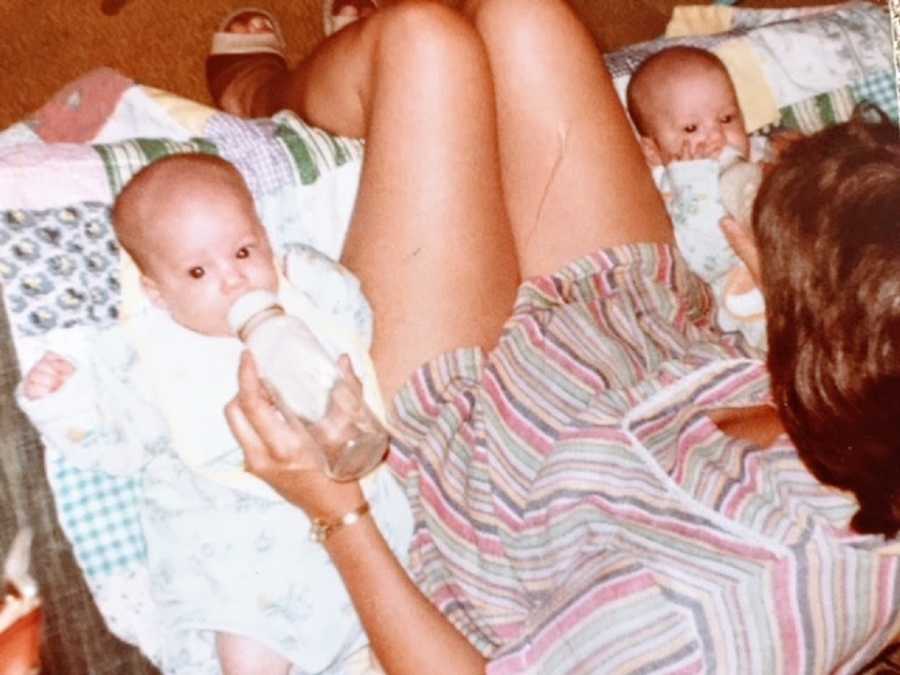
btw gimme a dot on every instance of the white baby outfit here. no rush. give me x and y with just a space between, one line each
690 190
225 552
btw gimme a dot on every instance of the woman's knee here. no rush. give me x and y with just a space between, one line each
517 15
424 38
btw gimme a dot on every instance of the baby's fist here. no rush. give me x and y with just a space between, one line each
47 376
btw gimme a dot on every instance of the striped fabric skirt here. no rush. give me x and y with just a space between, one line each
577 511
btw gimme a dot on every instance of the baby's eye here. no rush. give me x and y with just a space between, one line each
197 272
243 252
690 128
726 119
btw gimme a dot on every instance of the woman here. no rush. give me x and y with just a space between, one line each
578 507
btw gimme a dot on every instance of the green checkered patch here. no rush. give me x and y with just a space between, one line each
122 160
269 153
818 112
313 150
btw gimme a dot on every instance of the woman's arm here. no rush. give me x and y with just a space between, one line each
407 633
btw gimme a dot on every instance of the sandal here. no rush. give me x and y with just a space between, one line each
230 50
265 42
335 15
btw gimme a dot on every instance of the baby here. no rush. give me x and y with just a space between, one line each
684 106
233 574
685 110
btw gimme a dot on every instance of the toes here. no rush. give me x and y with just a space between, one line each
250 22
347 12
260 24
354 9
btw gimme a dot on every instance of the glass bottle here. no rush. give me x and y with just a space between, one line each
301 377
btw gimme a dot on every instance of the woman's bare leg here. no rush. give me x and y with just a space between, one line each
429 239
573 175
443 108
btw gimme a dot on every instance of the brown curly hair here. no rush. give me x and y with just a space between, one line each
827 225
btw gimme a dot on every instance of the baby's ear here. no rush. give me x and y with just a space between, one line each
651 151
151 290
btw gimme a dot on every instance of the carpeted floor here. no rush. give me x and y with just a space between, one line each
162 43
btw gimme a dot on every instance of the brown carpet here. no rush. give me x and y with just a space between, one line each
163 42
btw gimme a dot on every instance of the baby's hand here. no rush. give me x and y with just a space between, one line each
47 376
689 153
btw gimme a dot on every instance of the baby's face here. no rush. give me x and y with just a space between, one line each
207 251
694 115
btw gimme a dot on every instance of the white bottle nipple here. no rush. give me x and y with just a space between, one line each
728 157
247 306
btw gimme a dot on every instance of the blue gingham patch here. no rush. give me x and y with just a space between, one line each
880 90
282 151
99 514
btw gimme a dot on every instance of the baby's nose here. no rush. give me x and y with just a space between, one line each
233 277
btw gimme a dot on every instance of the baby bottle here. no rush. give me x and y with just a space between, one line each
301 376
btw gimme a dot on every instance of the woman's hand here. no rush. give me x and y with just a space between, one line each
699 151
281 451
349 434
740 236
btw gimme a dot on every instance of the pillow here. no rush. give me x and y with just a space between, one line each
805 68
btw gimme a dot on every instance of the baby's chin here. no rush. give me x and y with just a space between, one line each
213 327
211 331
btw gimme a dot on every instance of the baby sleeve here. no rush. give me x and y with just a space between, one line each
97 420
332 288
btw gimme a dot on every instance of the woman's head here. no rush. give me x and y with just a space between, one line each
827 224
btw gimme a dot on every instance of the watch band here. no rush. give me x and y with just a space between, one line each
322 529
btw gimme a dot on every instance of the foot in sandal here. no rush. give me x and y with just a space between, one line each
248 46
337 14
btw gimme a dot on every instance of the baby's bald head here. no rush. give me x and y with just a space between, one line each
190 224
650 86
684 106
146 212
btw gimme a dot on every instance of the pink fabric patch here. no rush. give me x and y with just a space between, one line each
36 176
77 112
